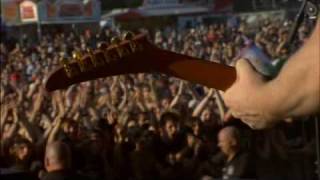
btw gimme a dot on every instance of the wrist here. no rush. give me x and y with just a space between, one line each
276 101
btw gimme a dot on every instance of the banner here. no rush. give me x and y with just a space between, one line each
28 11
68 11
223 6
10 11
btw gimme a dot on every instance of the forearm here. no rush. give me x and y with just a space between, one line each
295 92
124 100
54 132
3 117
220 104
200 106
175 101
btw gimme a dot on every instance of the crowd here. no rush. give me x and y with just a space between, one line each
143 126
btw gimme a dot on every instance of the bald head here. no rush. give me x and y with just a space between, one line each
229 140
230 132
58 156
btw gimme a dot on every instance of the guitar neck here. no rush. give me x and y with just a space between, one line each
195 70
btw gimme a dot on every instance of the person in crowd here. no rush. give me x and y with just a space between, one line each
57 162
135 126
238 164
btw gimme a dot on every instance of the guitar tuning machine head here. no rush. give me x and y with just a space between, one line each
97 62
121 51
115 40
85 64
129 37
77 56
70 70
102 45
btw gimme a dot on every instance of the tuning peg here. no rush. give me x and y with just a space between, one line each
70 70
95 61
102 45
85 64
116 41
129 37
77 56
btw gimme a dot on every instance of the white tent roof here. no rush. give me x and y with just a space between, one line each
160 10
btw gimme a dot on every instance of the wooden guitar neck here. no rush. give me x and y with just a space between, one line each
139 56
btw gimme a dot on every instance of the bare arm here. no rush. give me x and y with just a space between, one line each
153 91
202 104
294 92
220 103
37 105
4 114
195 95
54 132
124 97
302 75
57 122
30 130
176 99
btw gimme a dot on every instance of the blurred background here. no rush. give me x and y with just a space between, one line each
144 126
36 17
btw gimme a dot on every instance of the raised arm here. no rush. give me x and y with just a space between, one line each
124 97
176 99
220 103
197 111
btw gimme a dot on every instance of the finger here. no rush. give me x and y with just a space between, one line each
244 69
255 122
227 117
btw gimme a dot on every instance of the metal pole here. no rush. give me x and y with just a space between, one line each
317 138
38 24
254 5
39 30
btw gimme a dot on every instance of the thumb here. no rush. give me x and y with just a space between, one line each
245 70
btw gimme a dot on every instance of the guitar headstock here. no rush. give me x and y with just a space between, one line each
135 54
127 54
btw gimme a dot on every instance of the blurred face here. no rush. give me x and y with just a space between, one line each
157 112
22 152
173 89
44 124
165 103
225 143
141 77
141 119
191 140
146 92
196 129
171 128
71 130
206 115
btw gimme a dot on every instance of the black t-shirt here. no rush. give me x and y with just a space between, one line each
63 175
240 166
16 173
